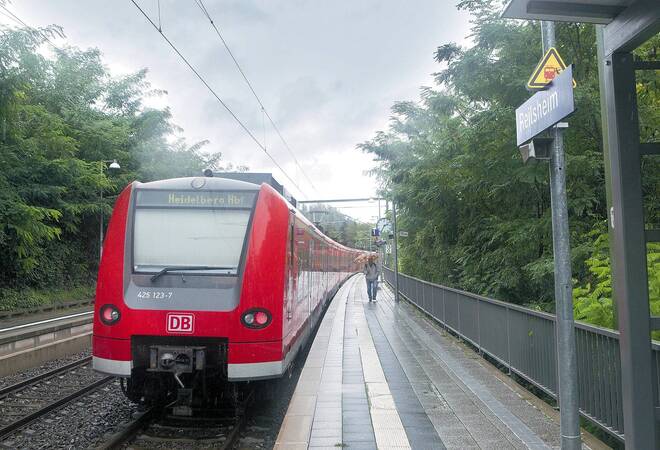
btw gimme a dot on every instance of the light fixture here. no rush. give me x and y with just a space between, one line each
538 149
256 318
109 314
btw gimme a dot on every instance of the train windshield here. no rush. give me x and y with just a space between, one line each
203 237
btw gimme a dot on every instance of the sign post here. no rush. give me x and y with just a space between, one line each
396 254
544 111
565 327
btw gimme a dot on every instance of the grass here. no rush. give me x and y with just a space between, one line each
13 299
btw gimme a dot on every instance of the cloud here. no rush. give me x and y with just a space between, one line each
328 72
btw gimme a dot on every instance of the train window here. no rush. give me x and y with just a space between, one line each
211 239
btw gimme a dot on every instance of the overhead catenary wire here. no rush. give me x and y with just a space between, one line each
202 7
43 35
215 94
7 16
21 22
13 16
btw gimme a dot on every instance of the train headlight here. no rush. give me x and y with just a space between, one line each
256 318
261 318
109 314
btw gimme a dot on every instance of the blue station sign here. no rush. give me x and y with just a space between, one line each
545 108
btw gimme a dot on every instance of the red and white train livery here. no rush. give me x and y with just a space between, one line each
206 281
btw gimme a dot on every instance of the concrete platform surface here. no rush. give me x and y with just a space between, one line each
31 342
23 321
380 375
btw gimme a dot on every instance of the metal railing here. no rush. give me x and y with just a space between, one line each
523 340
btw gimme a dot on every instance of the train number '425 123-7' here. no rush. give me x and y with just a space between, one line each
157 295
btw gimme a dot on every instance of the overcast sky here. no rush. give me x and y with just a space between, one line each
327 72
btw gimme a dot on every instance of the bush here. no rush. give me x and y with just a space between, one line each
13 299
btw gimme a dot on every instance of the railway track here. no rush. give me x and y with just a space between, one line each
33 398
155 428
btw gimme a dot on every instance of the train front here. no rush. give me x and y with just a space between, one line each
190 288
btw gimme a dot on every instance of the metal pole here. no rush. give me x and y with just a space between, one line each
566 351
381 248
600 56
101 225
628 254
396 254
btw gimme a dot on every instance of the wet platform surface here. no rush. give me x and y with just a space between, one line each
380 375
39 318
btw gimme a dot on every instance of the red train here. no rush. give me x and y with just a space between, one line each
208 281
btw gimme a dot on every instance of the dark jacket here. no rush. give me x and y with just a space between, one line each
371 271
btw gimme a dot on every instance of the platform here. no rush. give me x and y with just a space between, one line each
381 375
31 340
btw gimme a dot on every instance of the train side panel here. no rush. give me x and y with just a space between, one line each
263 287
287 268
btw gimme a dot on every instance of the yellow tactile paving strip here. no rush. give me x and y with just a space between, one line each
388 429
297 427
314 417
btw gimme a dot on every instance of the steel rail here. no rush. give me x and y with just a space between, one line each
51 373
142 422
234 434
4 431
127 433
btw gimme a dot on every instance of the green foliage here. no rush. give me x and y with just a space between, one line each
593 296
592 301
13 299
61 117
340 227
480 220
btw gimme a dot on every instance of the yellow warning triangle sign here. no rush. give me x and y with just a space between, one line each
550 66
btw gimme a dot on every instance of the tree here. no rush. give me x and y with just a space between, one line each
61 116
478 218
338 226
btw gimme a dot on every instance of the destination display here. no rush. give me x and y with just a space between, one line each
209 199
545 108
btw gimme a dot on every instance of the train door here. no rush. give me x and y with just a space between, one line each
291 275
302 270
310 277
325 270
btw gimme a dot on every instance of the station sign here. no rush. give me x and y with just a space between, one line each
403 233
545 108
196 199
550 66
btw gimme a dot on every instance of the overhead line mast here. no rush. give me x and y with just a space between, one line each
202 7
217 97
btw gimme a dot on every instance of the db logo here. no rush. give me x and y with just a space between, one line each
180 323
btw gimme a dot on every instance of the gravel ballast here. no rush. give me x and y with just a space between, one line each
80 424
10 380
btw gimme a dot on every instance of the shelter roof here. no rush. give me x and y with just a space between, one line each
589 11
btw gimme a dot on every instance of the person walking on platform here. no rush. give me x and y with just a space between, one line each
371 273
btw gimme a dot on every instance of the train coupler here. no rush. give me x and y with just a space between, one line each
178 360
183 404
